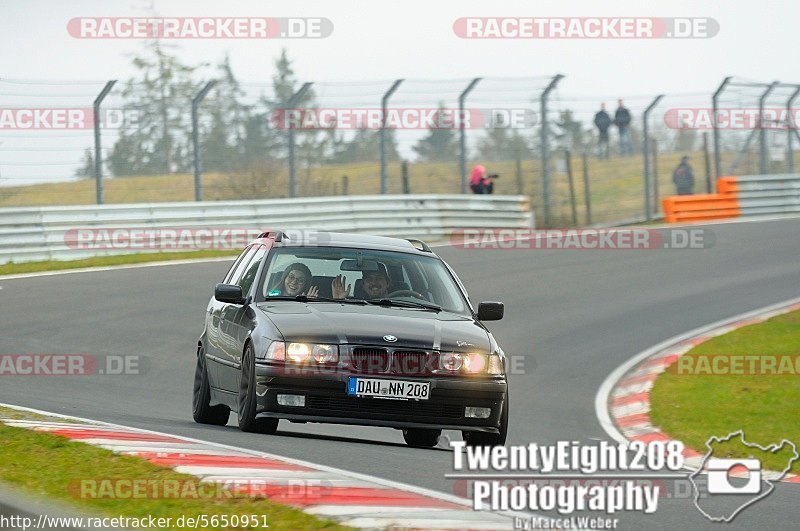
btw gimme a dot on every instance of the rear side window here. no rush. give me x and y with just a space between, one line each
236 271
252 269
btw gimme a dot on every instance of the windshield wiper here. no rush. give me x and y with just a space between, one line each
306 298
404 304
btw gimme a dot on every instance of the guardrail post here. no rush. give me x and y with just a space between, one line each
572 201
198 184
544 132
292 170
762 131
384 104
587 195
462 134
404 177
648 214
656 194
98 152
791 127
715 109
707 161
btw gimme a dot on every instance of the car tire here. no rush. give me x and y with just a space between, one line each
480 438
202 410
421 437
247 398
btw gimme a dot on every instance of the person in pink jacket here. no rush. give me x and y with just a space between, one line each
480 183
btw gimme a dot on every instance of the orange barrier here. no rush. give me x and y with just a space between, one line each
704 207
727 185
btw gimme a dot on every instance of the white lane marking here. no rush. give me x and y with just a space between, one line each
601 399
324 468
188 261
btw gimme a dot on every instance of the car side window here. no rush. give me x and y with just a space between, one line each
249 275
236 263
238 271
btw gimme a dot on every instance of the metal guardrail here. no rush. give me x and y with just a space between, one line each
765 194
41 233
745 195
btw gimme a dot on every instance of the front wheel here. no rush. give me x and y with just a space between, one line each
480 438
421 437
202 410
247 398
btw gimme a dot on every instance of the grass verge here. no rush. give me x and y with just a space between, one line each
693 407
104 261
52 467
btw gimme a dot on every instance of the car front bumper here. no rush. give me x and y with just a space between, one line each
327 401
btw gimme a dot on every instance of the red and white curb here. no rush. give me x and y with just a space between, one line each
622 403
352 499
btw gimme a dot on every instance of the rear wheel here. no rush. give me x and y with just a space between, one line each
480 438
202 410
421 437
247 398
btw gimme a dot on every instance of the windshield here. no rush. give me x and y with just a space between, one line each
404 280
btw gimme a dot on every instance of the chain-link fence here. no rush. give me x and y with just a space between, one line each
281 138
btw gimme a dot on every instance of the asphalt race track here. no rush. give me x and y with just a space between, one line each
575 315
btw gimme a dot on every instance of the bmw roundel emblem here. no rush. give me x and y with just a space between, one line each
390 338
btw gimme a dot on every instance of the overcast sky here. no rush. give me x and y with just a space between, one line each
388 39
383 40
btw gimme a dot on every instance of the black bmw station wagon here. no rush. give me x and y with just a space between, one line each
350 329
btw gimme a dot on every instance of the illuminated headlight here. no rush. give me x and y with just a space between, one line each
495 365
305 352
325 353
450 361
475 363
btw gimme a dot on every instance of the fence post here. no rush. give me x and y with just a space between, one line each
715 123
198 184
98 153
790 128
656 194
462 135
544 132
707 160
345 185
292 170
762 131
646 132
384 104
568 160
587 195
404 177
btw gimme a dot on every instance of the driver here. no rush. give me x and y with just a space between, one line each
376 283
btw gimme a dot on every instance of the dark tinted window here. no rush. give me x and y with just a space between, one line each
252 269
236 272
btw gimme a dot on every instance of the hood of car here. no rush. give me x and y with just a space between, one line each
375 325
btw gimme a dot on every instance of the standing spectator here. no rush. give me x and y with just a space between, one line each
480 183
602 121
622 119
683 177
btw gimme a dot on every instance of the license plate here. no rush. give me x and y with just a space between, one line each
388 388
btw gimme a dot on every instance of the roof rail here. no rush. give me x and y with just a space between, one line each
277 235
422 245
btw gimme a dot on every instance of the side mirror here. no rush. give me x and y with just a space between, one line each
490 311
228 293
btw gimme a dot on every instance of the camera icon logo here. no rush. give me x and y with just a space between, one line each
720 472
